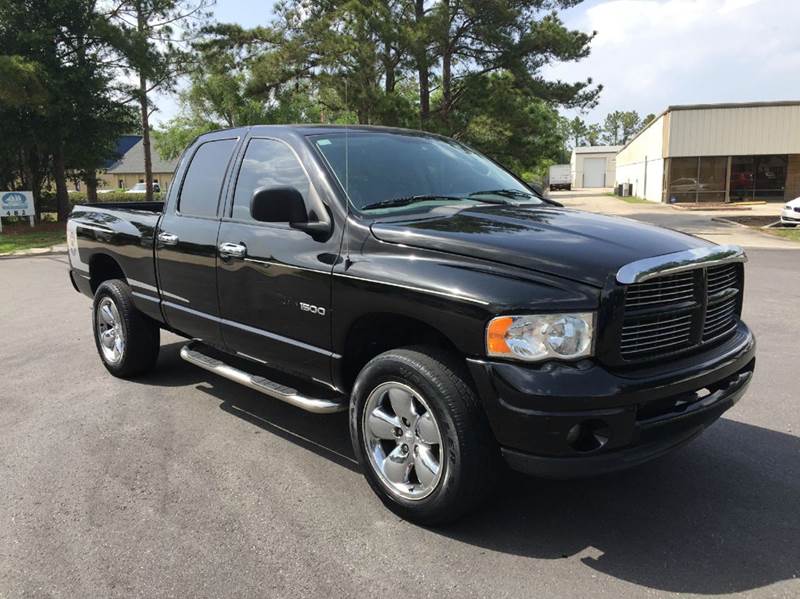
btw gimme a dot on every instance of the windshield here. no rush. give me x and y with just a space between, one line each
392 172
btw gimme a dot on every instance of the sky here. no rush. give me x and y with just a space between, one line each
650 54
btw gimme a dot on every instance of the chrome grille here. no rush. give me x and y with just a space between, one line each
722 277
720 319
674 313
655 334
664 290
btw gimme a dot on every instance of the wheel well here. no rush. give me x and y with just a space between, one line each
103 267
376 333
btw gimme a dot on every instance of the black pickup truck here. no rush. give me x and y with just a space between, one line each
463 320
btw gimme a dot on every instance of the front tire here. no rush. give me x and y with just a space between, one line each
421 436
126 340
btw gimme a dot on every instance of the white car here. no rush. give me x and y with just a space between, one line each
141 188
791 213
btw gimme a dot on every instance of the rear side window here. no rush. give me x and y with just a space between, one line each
203 181
267 163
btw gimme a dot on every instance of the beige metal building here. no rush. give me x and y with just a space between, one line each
593 166
716 153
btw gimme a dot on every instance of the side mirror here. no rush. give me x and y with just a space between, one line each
284 205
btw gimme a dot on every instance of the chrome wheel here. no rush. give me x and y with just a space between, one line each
109 331
403 440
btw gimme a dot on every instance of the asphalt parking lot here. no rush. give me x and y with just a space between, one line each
181 484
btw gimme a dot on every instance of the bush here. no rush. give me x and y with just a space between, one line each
47 199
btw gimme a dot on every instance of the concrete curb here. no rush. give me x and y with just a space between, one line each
722 219
759 230
53 249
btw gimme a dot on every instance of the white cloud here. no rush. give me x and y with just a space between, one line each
649 54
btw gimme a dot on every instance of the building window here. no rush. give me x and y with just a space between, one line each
682 180
121 184
758 177
712 173
698 179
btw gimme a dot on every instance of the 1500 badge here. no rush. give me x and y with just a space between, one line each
313 309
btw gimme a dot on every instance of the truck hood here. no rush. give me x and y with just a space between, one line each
567 243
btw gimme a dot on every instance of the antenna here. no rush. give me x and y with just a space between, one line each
346 142
346 174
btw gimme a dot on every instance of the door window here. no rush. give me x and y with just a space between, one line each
267 163
203 181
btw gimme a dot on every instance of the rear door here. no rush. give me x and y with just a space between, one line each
187 242
275 298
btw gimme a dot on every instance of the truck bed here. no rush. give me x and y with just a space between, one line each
143 206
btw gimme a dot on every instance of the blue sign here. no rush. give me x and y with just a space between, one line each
16 203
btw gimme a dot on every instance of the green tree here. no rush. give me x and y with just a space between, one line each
475 37
631 123
152 44
577 129
505 122
594 135
414 64
620 126
61 108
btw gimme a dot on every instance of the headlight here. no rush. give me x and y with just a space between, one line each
541 336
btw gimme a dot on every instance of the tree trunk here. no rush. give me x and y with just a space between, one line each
390 78
60 176
423 69
447 82
31 179
148 162
91 186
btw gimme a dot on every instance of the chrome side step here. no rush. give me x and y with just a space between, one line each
193 355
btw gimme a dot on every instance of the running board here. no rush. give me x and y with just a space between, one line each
191 354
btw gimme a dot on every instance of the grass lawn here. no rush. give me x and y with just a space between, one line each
629 199
20 236
791 234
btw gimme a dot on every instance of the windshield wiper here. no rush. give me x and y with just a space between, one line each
405 201
511 193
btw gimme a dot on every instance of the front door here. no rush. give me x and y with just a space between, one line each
187 245
275 297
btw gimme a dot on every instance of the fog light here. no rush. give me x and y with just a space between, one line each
589 435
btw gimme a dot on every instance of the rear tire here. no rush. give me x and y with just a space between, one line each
421 436
126 340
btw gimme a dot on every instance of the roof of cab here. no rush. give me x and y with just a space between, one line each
322 129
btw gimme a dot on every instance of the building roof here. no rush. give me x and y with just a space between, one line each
132 162
124 143
732 105
597 149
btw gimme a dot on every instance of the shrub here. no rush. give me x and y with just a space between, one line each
47 199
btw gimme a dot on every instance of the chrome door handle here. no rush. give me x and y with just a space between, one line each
168 238
232 250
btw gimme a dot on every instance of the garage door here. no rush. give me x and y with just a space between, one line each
594 172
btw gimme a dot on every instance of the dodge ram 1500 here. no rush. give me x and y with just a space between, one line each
463 320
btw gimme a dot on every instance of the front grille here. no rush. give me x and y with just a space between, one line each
675 313
652 335
722 277
720 319
664 290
